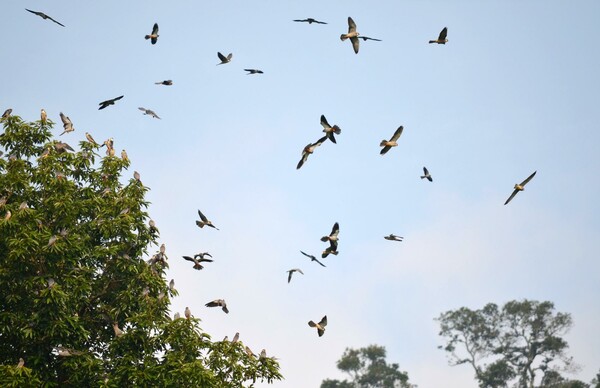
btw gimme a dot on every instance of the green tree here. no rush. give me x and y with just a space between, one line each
522 341
79 304
368 368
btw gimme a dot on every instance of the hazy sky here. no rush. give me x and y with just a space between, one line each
515 90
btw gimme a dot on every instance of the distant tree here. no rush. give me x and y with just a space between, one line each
522 341
596 381
79 304
368 368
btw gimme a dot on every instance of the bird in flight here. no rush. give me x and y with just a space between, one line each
426 174
67 124
204 221
320 326
149 112
253 71
329 130
309 149
393 237
154 35
165 82
388 144
6 113
198 259
520 187
44 16
291 271
218 303
106 103
365 38
442 38
309 21
329 251
352 35
333 236
312 258
224 59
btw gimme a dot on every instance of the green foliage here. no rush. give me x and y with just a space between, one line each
72 239
368 369
520 341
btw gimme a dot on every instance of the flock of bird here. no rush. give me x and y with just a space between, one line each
329 134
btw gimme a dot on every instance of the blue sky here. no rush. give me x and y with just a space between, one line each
513 91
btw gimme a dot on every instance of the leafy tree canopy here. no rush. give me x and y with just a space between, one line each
79 304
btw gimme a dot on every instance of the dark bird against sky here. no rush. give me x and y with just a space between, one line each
352 35
520 187
44 16
154 35
106 103
442 37
388 144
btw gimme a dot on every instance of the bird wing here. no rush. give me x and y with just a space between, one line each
324 122
355 44
189 258
322 265
351 25
323 321
528 178
229 56
202 216
397 133
301 162
425 171
116 98
385 149
335 229
320 141
60 24
142 109
155 29
511 196
443 34
221 57
307 255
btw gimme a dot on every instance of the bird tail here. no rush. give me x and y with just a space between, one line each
324 238
343 37
200 224
433 41
337 130
148 37
382 144
423 177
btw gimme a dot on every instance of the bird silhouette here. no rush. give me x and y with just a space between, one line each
309 149
154 35
352 35
313 258
291 272
44 16
149 112
426 175
218 303
333 236
106 103
442 37
365 38
224 59
204 221
320 326
165 82
198 259
520 187
393 237
329 130
309 21
253 71
388 144
67 124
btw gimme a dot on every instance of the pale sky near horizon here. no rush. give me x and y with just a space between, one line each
515 90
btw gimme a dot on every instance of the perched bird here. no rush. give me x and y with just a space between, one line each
365 38
106 103
520 187
23 206
309 21
329 251
187 313
109 143
43 116
6 113
176 316
312 258
291 271
136 176
393 237
426 175
163 249
117 329
329 130
388 144
67 124
333 236
149 112
90 139
66 352
320 326
253 71
263 354
7 215
204 221
52 240
154 35
249 352
309 149
152 226
21 363
124 155
44 16
352 35
224 59
236 337
172 285
198 259
218 303
442 37
166 82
